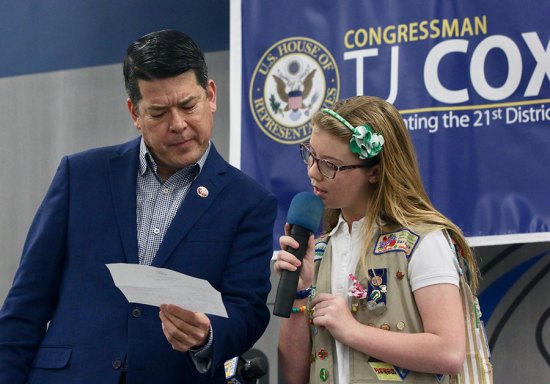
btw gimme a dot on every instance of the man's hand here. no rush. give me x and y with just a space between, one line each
184 329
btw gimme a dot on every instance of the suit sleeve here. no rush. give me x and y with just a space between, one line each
32 298
246 283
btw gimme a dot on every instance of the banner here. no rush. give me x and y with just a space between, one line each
470 78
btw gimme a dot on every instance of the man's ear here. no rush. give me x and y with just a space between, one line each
211 95
133 113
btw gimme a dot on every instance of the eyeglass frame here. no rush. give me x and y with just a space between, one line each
316 160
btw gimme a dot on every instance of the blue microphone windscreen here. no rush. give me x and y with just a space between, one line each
306 210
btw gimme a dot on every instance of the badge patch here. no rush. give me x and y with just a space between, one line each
401 241
320 247
385 372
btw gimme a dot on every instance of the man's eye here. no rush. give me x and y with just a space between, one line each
189 108
156 115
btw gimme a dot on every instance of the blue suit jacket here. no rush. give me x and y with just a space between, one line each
64 321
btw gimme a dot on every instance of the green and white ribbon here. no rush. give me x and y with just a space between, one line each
364 141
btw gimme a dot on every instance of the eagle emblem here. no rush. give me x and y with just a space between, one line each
294 78
293 86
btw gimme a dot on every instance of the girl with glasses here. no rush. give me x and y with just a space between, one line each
385 293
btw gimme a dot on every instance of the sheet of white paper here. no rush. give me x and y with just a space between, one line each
155 286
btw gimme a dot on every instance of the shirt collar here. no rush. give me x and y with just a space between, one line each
146 159
342 225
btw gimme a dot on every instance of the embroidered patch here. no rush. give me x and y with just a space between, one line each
378 282
402 372
401 241
386 372
320 247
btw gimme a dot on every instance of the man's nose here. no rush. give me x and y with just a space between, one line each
178 122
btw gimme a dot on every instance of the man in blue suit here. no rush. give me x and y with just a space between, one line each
166 199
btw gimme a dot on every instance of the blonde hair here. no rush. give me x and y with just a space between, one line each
399 199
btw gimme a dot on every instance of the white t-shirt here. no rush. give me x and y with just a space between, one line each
432 262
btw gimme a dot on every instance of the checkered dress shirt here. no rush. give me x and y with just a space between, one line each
158 201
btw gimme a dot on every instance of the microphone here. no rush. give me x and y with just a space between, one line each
304 215
241 371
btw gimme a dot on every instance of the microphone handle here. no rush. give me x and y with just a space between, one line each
288 283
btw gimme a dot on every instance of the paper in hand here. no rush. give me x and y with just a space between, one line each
155 286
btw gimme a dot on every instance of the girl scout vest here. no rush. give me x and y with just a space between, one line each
389 304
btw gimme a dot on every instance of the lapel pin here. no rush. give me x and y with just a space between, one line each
202 191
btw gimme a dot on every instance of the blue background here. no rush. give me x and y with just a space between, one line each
489 180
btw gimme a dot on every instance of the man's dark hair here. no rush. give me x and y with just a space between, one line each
160 55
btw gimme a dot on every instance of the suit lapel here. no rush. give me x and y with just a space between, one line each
194 205
123 173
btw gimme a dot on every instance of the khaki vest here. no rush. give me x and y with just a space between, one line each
392 308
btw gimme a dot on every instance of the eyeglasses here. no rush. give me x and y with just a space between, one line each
326 168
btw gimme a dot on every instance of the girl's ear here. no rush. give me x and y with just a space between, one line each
374 174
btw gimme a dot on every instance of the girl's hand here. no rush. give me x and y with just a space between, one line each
333 313
287 261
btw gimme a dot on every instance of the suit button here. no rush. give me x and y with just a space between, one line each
136 312
117 363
